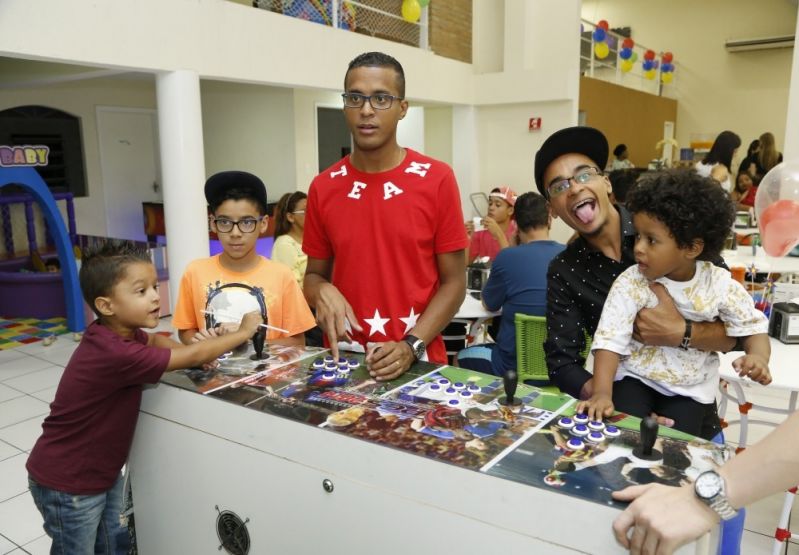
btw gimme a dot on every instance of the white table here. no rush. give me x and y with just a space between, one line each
783 366
763 262
473 311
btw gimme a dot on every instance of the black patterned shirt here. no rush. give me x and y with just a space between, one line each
578 281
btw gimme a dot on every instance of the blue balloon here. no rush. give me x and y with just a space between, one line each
666 68
626 53
654 64
647 65
599 34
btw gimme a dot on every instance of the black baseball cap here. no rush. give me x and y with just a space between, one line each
218 184
579 140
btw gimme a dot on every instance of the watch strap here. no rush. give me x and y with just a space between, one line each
417 346
686 338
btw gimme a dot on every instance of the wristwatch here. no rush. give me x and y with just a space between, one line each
686 338
418 347
709 488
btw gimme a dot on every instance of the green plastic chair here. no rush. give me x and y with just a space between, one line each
531 332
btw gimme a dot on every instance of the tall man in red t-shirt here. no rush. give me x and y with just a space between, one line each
384 232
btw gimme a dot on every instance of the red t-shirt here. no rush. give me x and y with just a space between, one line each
87 436
749 199
484 244
383 231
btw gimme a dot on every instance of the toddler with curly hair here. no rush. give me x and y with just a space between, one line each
682 221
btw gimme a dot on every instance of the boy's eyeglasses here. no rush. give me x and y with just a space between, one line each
299 212
247 225
557 188
378 101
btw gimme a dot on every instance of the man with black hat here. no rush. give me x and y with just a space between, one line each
219 289
568 174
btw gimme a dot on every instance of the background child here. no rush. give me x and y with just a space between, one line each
682 220
289 227
74 468
239 279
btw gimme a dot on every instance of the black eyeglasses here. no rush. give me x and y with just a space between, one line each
224 225
557 188
378 101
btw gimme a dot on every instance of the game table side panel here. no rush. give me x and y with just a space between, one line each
192 453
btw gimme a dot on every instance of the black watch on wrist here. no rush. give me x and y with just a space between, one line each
418 347
686 338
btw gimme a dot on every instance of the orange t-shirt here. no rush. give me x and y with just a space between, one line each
208 286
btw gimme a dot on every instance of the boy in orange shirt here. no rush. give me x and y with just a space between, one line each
217 290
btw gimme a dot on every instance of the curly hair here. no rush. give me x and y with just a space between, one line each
691 206
105 264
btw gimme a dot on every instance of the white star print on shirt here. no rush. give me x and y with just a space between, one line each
410 321
376 323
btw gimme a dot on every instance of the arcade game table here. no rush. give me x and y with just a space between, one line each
299 453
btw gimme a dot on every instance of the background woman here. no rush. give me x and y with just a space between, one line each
718 162
289 225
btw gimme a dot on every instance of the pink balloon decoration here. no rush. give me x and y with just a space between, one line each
777 209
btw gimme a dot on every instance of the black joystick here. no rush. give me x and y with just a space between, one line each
510 380
649 433
258 341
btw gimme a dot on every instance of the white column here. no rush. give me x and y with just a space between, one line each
183 169
464 154
791 148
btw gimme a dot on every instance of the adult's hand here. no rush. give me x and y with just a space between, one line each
660 518
335 316
389 360
661 325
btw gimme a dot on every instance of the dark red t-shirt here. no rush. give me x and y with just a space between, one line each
87 436
383 231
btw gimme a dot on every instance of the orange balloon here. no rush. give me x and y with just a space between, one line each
779 227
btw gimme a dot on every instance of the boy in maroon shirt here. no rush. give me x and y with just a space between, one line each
74 468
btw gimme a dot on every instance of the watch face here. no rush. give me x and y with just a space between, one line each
708 485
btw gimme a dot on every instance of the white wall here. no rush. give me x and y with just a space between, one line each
250 128
438 133
745 92
410 131
507 148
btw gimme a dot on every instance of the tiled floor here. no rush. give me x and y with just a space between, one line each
28 379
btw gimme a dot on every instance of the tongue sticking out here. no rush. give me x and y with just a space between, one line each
586 212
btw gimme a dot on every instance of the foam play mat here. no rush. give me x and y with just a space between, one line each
16 332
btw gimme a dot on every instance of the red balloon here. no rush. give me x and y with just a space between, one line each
602 24
649 55
627 43
668 57
779 227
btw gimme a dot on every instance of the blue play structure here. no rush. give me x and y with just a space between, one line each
28 178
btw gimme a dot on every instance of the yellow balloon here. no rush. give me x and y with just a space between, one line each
411 10
601 50
666 77
650 74
626 65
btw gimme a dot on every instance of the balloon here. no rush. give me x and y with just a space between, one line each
655 64
649 55
424 3
777 208
665 67
647 65
667 57
625 53
628 43
599 34
601 49
650 74
626 65
411 10
611 40
602 24
667 77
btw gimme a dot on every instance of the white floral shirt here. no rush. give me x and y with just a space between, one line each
711 294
